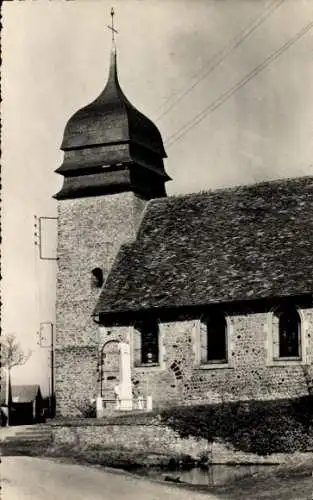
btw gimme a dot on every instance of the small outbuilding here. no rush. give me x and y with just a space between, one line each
26 404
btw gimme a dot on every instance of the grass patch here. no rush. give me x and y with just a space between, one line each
261 427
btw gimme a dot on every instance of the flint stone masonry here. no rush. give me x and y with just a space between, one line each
156 438
160 439
90 233
247 375
75 379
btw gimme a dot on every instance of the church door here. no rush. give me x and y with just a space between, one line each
110 361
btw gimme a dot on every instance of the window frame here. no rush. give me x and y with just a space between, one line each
154 333
282 311
212 364
272 337
134 350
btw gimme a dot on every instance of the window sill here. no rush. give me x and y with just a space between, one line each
286 362
147 364
150 367
214 366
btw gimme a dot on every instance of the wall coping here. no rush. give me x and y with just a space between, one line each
103 422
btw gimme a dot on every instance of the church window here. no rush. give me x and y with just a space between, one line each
213 339
146 343
286 333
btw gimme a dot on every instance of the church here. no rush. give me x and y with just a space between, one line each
204 297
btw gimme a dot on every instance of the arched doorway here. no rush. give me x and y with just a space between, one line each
110 369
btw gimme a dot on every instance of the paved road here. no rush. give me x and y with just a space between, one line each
25 478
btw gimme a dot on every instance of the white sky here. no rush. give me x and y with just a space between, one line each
55 60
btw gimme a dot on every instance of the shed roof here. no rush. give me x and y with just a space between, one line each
235 244
22 393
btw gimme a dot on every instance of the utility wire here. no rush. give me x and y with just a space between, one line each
220 56
228 93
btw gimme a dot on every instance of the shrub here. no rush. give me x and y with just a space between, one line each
87 409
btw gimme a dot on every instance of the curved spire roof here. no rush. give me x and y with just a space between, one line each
111 119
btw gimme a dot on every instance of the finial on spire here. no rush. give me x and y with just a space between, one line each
113 30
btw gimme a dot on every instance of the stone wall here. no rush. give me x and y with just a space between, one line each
248 375
156 438
90 233
160 439
75 379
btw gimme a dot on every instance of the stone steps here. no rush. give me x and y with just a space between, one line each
37 433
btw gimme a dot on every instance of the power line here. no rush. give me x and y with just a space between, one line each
228 93
220 56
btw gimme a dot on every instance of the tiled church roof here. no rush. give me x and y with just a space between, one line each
242 243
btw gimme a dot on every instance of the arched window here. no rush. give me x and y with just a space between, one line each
214 338
96 278
288 332
146 338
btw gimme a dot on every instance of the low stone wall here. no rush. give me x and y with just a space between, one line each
157 438
153 438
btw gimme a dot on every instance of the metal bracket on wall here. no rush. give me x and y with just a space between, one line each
38 236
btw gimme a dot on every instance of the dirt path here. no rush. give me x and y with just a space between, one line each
26 478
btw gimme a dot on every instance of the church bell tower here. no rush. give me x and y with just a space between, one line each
113 164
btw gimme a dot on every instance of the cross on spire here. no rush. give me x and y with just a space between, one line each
113 30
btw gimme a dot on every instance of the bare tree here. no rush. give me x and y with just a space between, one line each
12 355
11 352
